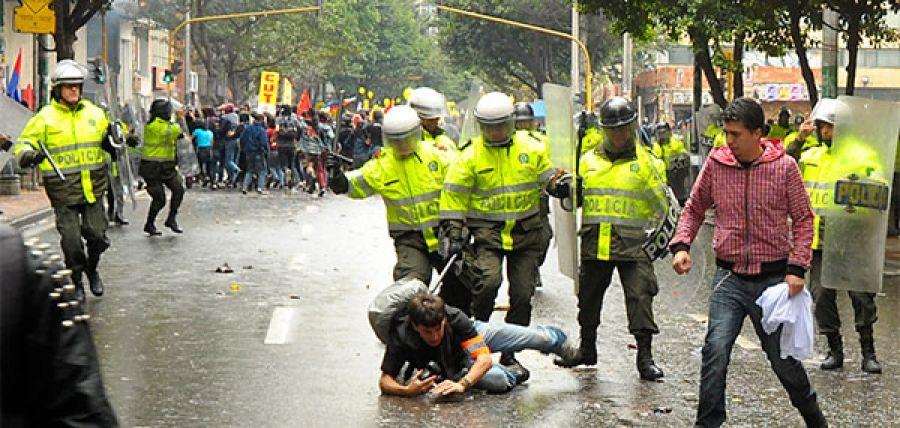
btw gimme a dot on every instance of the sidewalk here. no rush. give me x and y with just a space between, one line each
28 207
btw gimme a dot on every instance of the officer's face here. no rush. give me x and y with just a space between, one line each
826 129
524 124
497 133
430 124
619 135
70 93
405 146
743 142
431 335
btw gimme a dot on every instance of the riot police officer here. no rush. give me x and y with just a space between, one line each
408 175
818 167
429 104
493 189
74 132
524 116
623 193
158 165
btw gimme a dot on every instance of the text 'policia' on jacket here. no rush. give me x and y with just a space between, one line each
73 137
159 140
820 171
410 188
489 184
622 198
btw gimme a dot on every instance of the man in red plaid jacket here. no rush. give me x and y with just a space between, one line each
755 188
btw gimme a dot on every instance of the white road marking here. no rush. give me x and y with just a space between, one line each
747 344
698 317
281 326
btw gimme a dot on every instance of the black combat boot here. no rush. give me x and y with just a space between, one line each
867 344
513 365
93 275
645 365
121 221
172 224
835 358
812 416
585 355
79 285
149 226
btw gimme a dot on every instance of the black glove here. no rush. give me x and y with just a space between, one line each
31 159
337 181
453 240
563 187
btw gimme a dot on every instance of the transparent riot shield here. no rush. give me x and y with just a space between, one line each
559 108
855 225
187 158
467 127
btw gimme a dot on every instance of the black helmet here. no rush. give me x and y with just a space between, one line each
523 111
161 108
615 112
663 126
784 110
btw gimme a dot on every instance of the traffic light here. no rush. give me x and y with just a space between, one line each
96 70
169 74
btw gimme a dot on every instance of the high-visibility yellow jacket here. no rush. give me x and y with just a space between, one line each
671 151
160 137
410 188
442 141
622 199
73 137
821 170
489 185
778 132
593 138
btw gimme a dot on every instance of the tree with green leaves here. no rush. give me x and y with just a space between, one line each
863 19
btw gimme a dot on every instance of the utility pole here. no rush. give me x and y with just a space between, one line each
576 55
626 65
189 95
829 53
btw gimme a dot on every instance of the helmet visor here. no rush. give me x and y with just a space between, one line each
497 133
403 144
620 137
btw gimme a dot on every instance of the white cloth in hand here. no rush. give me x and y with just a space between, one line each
795 313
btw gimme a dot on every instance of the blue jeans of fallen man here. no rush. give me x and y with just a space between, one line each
514 338
734 298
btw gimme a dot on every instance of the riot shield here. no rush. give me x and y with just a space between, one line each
467 127
187 158
559 108
679 177
855 224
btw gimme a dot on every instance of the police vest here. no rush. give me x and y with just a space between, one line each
73 137
624 193
410 188
674 153
159 140
497 184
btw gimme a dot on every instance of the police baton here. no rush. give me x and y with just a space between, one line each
443 273
50 159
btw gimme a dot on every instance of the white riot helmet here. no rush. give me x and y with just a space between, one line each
402 129
494 112
825 111
427 102
69 72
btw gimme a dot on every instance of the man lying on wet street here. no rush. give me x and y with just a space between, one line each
451 353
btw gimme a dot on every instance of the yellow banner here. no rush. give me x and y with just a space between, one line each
268 88
287 92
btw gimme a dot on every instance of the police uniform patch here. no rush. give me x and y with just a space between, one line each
92 122
433 165
635 167
523 158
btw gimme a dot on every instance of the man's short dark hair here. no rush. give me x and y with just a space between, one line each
426 309
747 111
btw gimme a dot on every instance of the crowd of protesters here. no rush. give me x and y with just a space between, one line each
237 148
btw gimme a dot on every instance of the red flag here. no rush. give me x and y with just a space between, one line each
305 104
28 96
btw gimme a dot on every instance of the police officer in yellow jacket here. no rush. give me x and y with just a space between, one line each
818 169
74 132
429 104
408 175
623 193
158 165
493 188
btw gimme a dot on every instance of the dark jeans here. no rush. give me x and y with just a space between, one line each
734 298
207 163
256 164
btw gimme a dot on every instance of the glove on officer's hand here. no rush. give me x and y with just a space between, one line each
337 181
31 159
453 240
563 187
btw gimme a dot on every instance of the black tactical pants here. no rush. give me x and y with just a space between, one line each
158 195
638 283
77 225
825 303
414 261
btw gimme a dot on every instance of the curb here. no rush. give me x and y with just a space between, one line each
30 219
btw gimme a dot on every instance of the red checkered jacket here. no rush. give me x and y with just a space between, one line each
752 209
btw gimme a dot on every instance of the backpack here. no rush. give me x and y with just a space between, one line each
288 129
390 304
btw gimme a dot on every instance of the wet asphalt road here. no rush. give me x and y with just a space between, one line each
184 346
